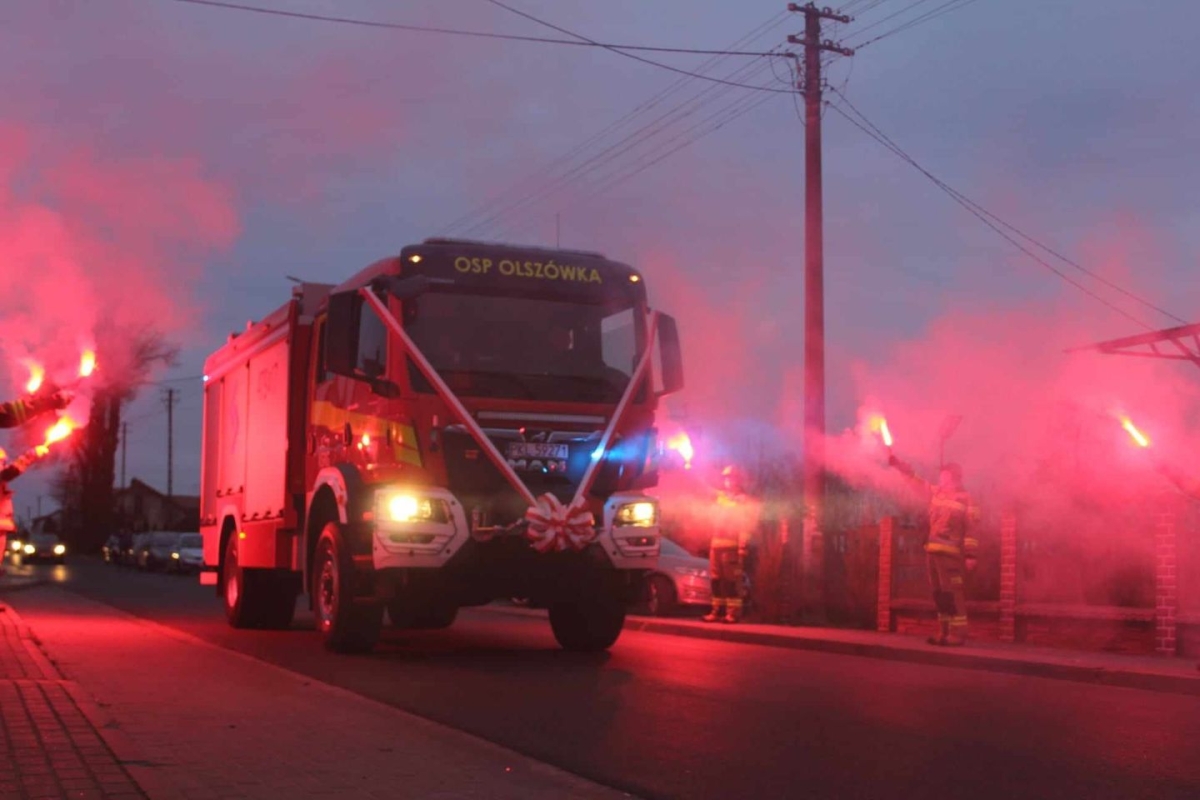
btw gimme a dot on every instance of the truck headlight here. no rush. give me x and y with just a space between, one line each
406 506
641 514
59 549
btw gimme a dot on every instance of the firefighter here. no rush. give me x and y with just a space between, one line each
10 472
949 549
734 520
18 412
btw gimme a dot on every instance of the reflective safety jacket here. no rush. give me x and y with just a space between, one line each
18 412
951 514
8 518
734 519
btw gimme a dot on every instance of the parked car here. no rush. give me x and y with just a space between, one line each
681 579
188 555
155 551
117 547
43 547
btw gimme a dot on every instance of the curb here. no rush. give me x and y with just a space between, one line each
123 748
1078 673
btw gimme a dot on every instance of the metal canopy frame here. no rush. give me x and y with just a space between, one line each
1183 339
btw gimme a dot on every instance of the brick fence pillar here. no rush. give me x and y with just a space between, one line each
883 614
1166 586
1008 577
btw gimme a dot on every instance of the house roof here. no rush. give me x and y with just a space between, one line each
184 502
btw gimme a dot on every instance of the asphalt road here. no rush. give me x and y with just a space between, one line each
664 716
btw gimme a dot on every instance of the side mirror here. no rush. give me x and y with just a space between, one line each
670 356
341 333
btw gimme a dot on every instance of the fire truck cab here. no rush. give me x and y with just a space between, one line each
461 423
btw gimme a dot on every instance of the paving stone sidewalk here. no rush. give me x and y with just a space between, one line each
48 746
188 719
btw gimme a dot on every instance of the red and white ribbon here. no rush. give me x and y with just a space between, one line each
554 527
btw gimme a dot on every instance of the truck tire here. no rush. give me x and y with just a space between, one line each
429 619
256 598
588 624
347 626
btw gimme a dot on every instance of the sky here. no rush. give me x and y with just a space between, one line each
166 166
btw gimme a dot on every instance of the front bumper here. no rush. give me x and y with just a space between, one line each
433 544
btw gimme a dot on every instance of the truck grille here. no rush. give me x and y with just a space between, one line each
483 489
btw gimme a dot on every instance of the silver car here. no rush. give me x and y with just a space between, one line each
681 579
188 555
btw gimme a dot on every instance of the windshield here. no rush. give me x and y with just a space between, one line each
164 539
521 347
192 540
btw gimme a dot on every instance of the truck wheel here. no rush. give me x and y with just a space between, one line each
587 625
347 627
256 598
660 596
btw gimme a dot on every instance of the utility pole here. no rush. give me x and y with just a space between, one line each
814 291
170 403
124 442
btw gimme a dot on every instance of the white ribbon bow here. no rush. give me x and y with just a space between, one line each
554 527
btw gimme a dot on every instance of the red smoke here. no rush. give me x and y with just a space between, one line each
96 250
1039 426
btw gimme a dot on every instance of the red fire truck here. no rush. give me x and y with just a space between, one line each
457 424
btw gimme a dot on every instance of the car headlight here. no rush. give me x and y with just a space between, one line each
691 572
59 549
406 506
642 514
175 556
29 550
16 545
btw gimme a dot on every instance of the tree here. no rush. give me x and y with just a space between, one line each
126 364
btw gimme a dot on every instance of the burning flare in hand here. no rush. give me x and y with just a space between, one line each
59 431
682 444
1133 431
879 425
37 375
87 363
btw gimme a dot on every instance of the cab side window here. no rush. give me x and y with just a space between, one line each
372 344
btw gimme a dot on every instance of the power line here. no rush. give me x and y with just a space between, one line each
882 20
999 226
530 181
621 147
711 124
620 49
946 8
733 111
616 149
162 381
1013 229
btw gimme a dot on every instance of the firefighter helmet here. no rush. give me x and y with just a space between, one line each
734 477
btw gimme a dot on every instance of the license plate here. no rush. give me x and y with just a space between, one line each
557 452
